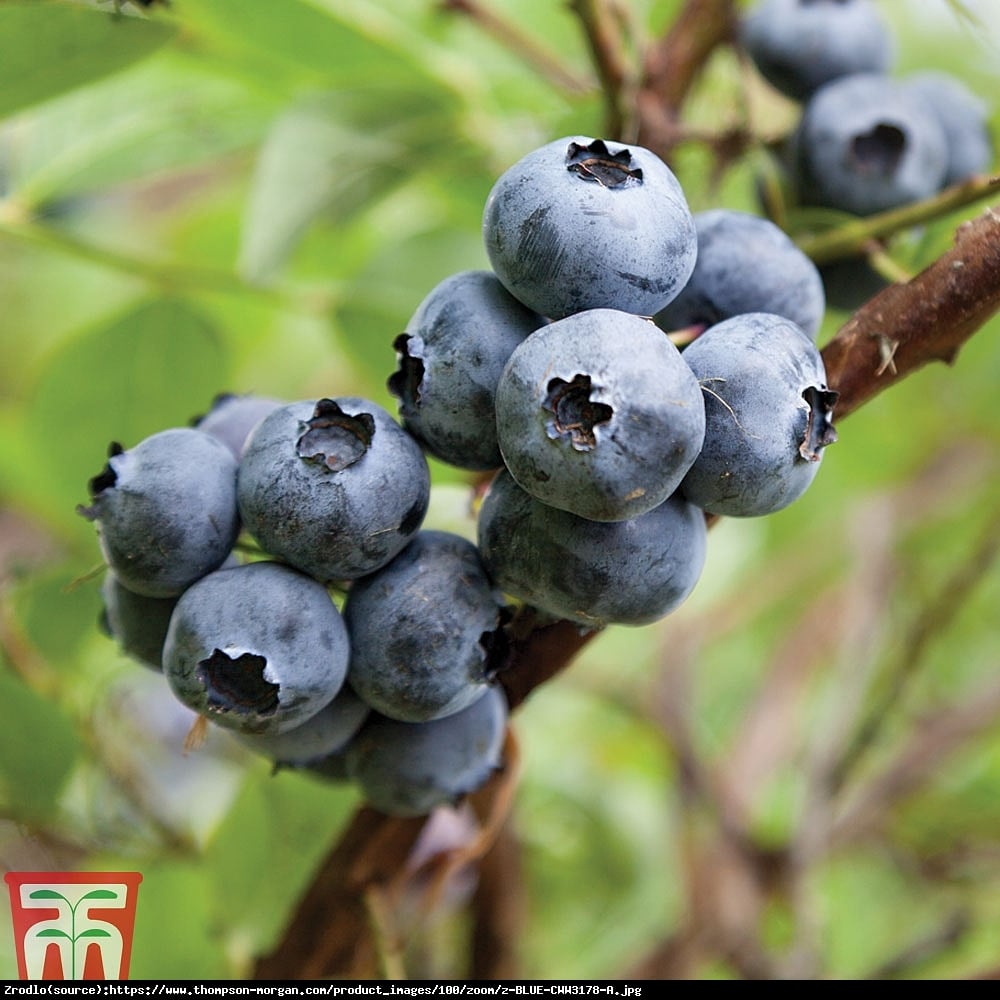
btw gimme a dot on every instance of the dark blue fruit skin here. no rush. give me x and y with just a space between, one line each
799 45
565 235
409 768
137 623
850 282
451 356
763 439
594 573
259 648
648 426
232 417
866 144
326 733
166 510
964 118
746 264
333 523
423 628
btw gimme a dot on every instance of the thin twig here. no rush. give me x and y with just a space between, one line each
603 29
929 624
932 945
851 237
521 44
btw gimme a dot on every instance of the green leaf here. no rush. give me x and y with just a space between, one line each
38 748
54 932
334 156
94 932
281 825
157 366
161 115
57 618
315 41
51 47
176 936
47 894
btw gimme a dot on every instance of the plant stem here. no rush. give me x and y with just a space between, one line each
852 237
512 38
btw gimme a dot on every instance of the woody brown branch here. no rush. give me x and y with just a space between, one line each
926 319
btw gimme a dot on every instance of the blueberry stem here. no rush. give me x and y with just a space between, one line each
852 237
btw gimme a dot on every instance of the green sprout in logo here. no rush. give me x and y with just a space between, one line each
72 936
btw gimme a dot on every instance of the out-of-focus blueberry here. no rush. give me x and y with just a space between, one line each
850 282
138 624
866 144
232 417
964 117
799 45
585 223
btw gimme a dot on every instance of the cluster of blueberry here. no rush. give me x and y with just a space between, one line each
331 491
866 141
358 643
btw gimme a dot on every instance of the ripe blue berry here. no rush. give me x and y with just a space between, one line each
259 648
426 630
964 118
324 734
866 144
450 359
334 487
767 412
138 624
409 768
599 415
582 223
746 264
232 417
595 573
799 45
166 510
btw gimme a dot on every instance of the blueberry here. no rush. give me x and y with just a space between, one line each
850 282
799 45
591 572
166 510
450 359
232 417
426 630
866 144
409 768
334 487
767 413
746 264
259 648
585 224
322 735
599 415
964 118
137 623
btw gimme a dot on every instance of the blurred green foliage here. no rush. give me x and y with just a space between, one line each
247 195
